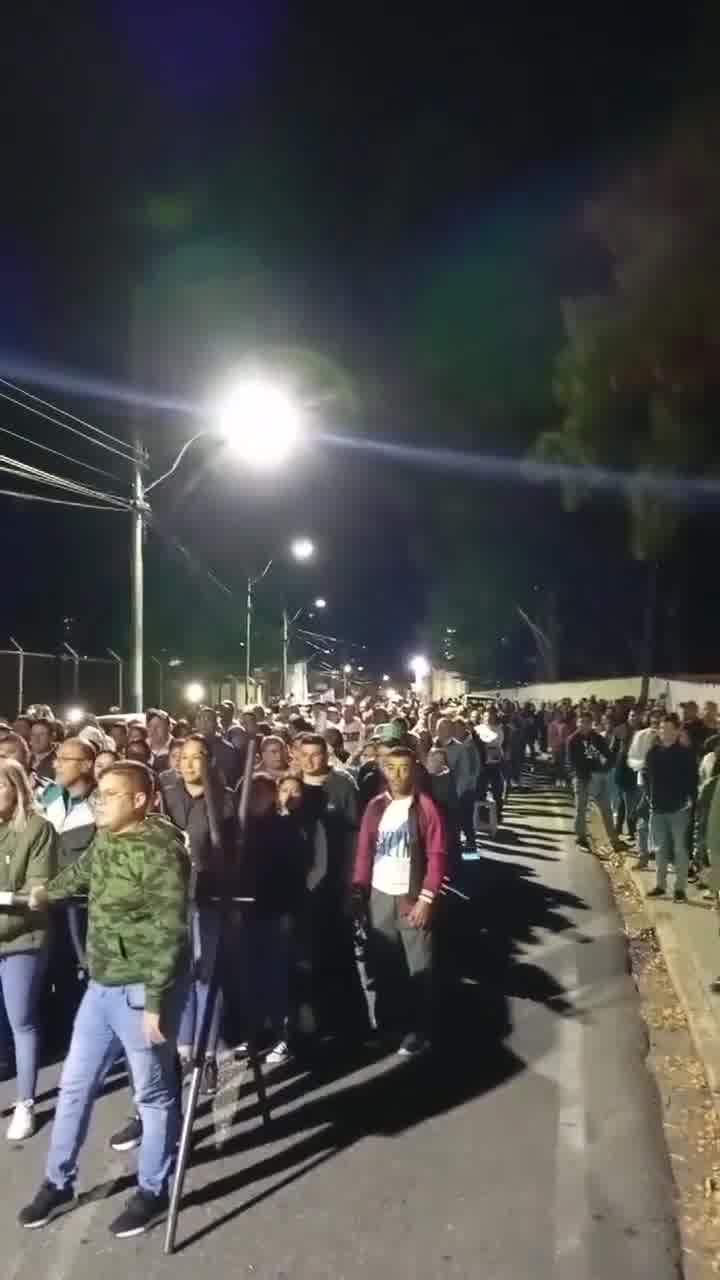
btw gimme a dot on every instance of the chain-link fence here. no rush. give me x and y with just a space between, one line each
60 679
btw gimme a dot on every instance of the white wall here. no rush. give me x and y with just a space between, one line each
674 691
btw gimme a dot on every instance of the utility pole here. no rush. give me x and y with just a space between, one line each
139 509
285 647
248 636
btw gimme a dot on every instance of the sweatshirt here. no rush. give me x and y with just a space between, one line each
137 886
671 775
588 755
428 846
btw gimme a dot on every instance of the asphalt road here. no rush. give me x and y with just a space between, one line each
529 1149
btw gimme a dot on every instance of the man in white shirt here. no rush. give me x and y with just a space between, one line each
400 865
351 728
642 741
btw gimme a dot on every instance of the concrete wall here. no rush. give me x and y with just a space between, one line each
673 691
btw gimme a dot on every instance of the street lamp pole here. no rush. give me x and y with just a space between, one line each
285 647
139 509
251 584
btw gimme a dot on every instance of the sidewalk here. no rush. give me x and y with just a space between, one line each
688 935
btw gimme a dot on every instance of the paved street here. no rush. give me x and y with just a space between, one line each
531 1149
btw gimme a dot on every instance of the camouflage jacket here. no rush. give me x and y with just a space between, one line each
137 886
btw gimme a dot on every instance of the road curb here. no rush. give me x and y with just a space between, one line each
703 1019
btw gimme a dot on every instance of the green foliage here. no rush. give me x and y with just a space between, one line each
636 378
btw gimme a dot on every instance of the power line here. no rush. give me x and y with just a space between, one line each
81 421
46 477
66 425
57 452
60 502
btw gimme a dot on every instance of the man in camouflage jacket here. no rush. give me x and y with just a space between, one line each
136 875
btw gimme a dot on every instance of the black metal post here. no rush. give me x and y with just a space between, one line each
204 1032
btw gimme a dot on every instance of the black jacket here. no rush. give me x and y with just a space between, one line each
587 756
211 862
671 777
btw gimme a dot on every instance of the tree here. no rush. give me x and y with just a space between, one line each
636 380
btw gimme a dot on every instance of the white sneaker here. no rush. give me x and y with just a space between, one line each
280 1054
22 1125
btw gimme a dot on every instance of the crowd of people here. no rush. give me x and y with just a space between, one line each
304 851
134 866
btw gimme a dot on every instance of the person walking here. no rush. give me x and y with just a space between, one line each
671 772
136 874
28 859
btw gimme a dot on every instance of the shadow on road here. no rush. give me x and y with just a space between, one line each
483 936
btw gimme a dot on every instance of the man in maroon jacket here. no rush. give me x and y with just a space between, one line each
400 864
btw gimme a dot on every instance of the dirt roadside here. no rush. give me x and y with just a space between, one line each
692 1125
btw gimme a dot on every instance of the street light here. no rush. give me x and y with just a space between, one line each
420 668
263 423
302 548
287 623
261 420
347 671
194 692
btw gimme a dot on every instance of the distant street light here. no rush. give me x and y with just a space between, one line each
194 692
420 668
75 715
386 679
302 548
320 603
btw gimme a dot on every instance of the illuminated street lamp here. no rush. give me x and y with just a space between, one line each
261 420
302 548
320 603
421 669
194 692
263 423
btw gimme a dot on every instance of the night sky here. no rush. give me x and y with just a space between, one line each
385 193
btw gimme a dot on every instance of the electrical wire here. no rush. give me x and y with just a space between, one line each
60 502
80 421
46 477
59 423
58 453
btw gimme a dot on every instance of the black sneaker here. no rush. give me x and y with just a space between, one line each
141 1213
48 1203
582 842
129 1137
657 892
679 895
209 1084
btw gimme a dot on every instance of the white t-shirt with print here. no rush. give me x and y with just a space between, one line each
391 870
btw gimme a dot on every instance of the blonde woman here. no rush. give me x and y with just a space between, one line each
28 858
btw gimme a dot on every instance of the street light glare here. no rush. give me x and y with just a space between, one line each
320 603
75 715
347 669
261 421
420 667
302 548
194 692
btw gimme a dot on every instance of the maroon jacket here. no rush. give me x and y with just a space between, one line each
428 845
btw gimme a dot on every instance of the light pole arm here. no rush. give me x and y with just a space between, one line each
199 435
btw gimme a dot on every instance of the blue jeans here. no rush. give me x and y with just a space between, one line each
668 832
593 788
111 1018
205 928
21 976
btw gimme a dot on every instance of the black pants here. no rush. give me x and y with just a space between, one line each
466 817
